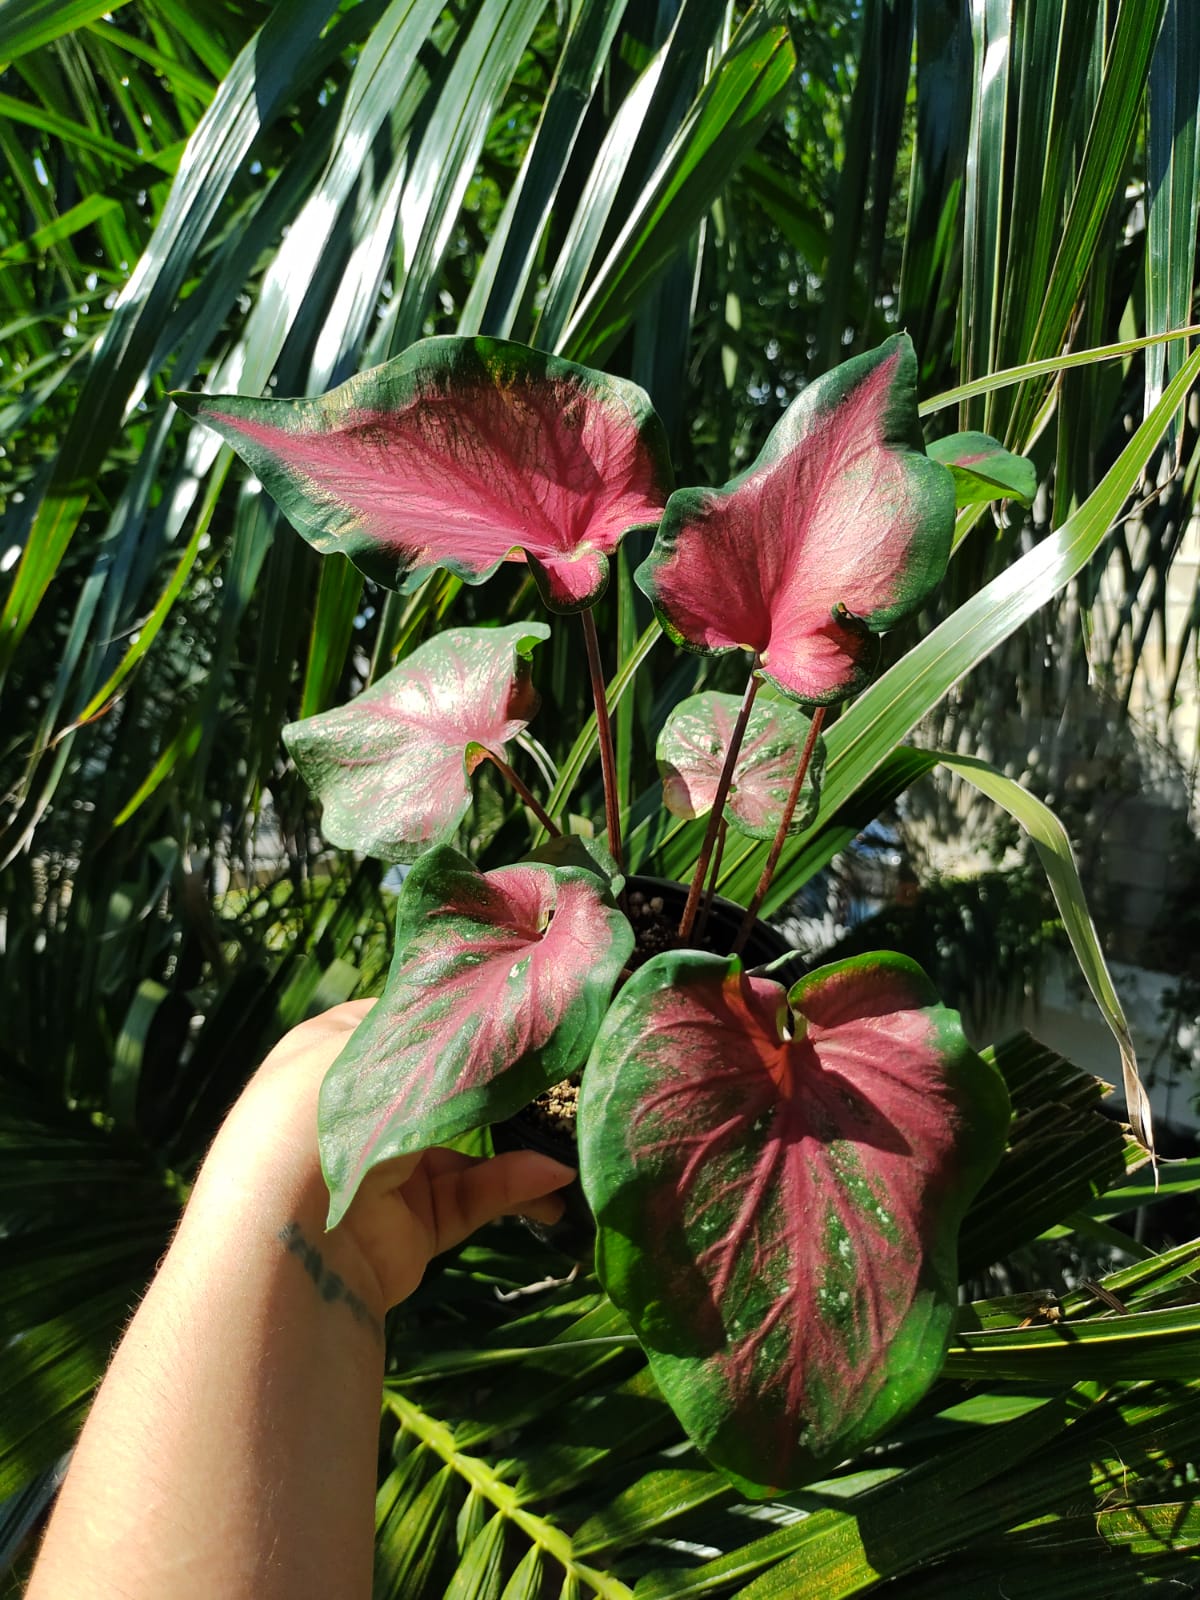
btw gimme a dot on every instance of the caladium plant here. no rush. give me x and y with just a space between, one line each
777 1174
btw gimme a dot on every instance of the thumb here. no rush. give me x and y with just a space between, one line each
519 1180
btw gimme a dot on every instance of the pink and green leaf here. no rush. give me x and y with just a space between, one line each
779 1179
691 755
841 527
392 768
497 987
983 470
461 453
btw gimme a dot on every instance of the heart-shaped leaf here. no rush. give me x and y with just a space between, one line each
391 768
983 470
691 753
779 1197
840 528
496 990
460 453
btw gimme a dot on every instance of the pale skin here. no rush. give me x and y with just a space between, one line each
231 1449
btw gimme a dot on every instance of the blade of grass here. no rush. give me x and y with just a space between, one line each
1058 860
506 271
30 24
264 79
1051 364
1173 179
730 115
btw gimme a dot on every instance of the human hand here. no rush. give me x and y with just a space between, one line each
233 1447
407 1210
415 1207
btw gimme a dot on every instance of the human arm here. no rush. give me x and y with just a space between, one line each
231 1449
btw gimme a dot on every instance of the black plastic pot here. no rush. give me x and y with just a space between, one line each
721 928
575 1233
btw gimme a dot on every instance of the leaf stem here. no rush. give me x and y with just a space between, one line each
785 822
526 794
569 772
714 873
612 810
718 806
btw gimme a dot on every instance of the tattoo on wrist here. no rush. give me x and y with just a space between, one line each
330 1285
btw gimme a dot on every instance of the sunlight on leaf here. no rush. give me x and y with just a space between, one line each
779 1195
692 749
392 768
497 987
460 453
839 529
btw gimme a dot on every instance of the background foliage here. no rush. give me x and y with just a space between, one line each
719 201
